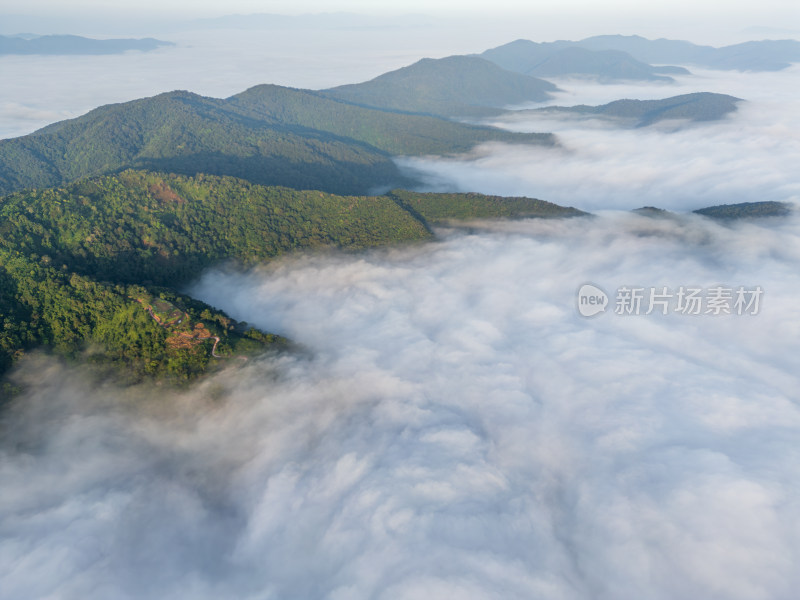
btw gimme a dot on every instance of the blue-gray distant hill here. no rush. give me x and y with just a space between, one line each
456 86
764 55
73 44
701 106
568 59
268 135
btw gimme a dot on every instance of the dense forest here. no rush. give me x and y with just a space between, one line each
94 267
116 326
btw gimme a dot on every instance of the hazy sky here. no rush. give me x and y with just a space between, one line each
369 6
775 11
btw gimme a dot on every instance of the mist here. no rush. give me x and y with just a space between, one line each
747 157
455 428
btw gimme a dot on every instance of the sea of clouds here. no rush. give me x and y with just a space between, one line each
746 157
454 428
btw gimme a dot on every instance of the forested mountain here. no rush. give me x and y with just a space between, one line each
703 106
268 135
561 59
456 86
94 264
139 331
391 132
74 44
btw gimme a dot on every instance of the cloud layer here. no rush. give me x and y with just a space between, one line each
745 158
456 430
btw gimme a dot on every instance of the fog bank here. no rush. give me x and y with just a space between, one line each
457 430
749 156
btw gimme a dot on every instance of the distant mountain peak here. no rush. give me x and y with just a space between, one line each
454 86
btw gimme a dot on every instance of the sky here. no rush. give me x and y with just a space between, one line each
775 8
710 19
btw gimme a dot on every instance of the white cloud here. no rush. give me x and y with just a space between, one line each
458 428
747 157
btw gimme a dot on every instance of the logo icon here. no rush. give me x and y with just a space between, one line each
591 300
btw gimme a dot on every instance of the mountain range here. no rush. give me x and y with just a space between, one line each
762 55
268 134
562 59
615 57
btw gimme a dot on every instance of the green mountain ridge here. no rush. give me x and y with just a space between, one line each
81 264
268 135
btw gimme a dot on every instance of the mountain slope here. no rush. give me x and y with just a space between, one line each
456 86
394 133
268 135
138 226
185 133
